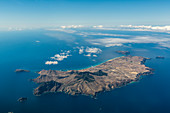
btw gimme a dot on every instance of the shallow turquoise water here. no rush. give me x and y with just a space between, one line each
19 50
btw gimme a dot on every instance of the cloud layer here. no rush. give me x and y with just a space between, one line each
165 42
72 26
163 28
137 28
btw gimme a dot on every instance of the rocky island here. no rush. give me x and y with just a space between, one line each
22 99
21 70
106 76
123 52
160 57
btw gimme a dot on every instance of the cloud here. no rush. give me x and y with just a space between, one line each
137 28
63 30
147 28
61 56
93 50
58 57
89 51
85 34
165 42
72 26
81 49
88 55
67 29
167 28
51 62
140 26
37 41
94 55
98 26
112 45
15 29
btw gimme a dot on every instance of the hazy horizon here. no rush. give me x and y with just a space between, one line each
51 13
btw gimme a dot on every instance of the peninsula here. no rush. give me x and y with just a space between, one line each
106 76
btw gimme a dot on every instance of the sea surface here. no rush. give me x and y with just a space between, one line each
30 49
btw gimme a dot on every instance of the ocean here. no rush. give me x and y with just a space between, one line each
30 49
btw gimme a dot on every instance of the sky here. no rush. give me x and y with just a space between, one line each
46 13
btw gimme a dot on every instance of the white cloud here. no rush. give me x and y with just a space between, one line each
89 55
94 55
72 26
100 34
165 42
15 29
51 62
81 50
98 26
93 50
137 28
89 51
167 28
66 29
111 45
63 30
58 57
147 28
61 56
140 26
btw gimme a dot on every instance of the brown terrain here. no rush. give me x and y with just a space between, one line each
21 70
112 74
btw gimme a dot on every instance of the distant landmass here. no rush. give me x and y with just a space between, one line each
123 52
160 57
109 75
21 70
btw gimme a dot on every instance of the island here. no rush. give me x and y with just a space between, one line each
160 57
21 70
106 76
123 52
22 99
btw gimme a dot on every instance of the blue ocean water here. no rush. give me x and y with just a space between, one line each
19 49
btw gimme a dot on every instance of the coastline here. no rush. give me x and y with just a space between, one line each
94 65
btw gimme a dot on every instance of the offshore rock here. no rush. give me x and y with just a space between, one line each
21 70
22 99
160 57
123 52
